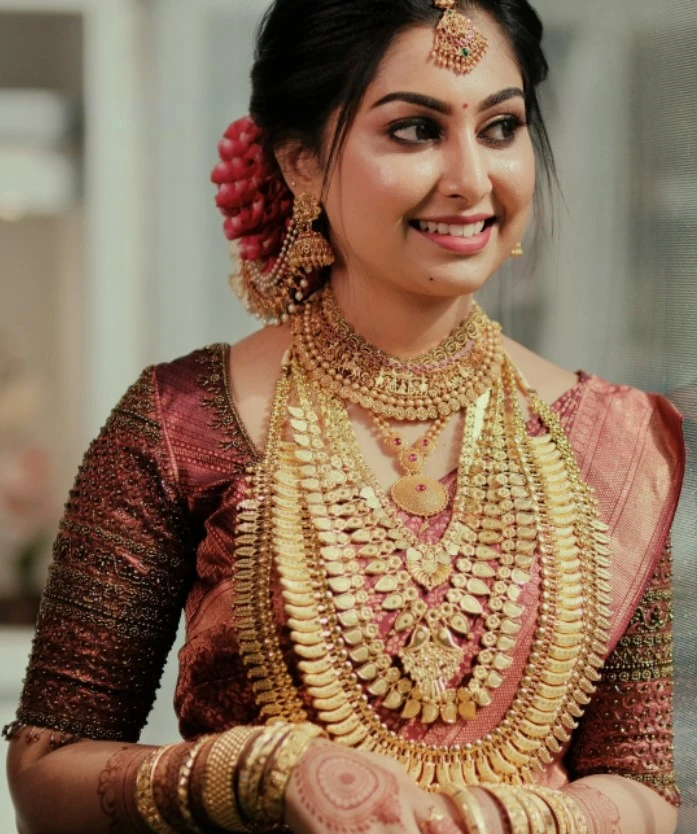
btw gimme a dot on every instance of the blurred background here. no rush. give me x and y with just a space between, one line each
111 254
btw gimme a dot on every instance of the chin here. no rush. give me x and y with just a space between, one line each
452 282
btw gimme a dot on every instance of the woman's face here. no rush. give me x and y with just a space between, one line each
434 185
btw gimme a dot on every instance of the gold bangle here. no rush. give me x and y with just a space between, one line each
532 811
183 784
218 792
515 812
469 809
145 797
579 824
556 806
548 822
252 770
286 757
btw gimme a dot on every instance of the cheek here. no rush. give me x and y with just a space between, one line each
516 180
383 188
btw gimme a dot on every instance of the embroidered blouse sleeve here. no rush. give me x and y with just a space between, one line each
628 726
122 564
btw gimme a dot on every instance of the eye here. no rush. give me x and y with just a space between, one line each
415 131
503 131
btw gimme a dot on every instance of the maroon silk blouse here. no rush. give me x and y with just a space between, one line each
148 529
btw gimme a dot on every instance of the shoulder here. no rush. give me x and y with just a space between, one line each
619 407
255 361
190 370
166 393
205 438
549 380
628 412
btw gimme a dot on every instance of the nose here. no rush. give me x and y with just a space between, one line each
466 173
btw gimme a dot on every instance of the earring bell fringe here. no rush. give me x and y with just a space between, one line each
274 295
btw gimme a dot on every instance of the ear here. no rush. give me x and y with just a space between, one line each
300 169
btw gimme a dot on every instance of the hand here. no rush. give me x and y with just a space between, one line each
338 790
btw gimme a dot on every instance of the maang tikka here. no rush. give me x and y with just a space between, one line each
459 46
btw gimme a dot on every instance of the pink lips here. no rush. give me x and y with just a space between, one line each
461 245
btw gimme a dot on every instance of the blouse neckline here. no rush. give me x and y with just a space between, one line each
581 378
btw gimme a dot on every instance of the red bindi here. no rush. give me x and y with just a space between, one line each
465 106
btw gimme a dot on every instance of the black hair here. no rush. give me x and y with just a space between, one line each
314 58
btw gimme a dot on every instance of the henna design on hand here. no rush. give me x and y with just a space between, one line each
345 792
599 810
116 793
109 787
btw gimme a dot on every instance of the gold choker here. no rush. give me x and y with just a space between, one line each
438 383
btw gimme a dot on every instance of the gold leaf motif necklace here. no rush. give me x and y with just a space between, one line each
349 569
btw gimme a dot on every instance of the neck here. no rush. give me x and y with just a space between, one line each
398 323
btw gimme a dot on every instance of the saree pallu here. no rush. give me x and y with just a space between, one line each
149 529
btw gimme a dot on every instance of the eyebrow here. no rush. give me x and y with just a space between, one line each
443 107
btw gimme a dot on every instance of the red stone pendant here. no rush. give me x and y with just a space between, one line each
420 495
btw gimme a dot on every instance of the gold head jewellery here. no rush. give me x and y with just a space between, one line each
277 293
458 45
435 384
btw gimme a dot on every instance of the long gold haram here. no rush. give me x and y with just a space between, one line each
431 656
570 640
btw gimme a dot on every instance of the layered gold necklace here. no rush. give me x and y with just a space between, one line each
354 577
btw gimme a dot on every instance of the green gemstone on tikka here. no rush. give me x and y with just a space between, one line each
466 52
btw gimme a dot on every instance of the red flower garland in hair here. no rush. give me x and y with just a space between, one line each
251 194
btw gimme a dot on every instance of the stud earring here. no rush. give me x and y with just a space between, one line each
517 250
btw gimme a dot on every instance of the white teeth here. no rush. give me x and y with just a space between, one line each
468 230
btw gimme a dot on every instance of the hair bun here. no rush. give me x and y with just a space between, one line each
252 194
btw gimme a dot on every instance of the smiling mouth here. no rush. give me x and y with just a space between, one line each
451 229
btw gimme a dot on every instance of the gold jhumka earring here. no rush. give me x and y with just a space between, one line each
276 293
517 251
459 45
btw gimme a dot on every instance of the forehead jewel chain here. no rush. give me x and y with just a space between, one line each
459 46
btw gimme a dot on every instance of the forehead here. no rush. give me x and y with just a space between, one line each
407 66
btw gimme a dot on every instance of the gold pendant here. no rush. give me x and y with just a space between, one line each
420 495
431 660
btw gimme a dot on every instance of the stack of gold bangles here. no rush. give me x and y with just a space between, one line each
529 809
243 783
